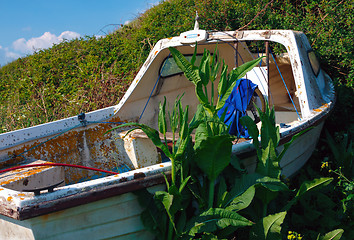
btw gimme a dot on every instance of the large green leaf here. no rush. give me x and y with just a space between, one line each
273 184
213 154
242 201
312 185
167 200
268 165
174 117
184 156
268 228
190 71
181 222
243 183
194 57
153 216
268 130
225 96
268 189
222 193
184 132
241 71
204 68
308 186
223 83
251 126
203 99
176 206
333 235
216 218
197 119
215 65
184 183
162 117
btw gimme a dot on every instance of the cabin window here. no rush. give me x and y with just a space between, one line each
169 67
258 48
315 64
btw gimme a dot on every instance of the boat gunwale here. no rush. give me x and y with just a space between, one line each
23 205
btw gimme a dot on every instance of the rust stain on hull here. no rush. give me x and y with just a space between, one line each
82 146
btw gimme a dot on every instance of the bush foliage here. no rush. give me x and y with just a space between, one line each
90 73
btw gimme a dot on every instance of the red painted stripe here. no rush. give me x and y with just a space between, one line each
57 164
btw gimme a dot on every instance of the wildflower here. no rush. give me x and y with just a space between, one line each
294 236
324 165
291 235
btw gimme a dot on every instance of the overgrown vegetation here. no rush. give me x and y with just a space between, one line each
210 196
89 73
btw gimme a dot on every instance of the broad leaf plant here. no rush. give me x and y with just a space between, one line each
209 195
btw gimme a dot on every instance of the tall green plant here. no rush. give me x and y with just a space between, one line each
211 131
268 226
204 199
172 199
212 149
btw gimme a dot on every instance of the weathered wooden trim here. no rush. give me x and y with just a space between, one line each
81 198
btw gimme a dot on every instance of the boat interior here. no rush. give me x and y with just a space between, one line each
115 153
279 91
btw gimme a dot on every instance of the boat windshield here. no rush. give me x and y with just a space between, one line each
315 64
169 67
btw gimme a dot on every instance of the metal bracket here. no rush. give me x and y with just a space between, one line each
238 34
49 188
82 119
266 34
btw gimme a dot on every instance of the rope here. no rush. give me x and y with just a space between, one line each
106 122
245 47
153 89
285 85
83 122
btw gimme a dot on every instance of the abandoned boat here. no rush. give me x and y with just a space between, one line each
56 202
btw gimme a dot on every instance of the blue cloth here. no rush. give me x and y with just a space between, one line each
236 105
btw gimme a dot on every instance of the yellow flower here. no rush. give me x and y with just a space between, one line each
324 165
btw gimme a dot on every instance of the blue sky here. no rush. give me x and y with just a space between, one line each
26 25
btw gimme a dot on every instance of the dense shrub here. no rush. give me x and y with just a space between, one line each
90 73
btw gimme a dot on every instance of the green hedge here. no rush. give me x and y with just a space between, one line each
90 73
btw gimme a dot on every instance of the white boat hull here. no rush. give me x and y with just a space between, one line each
111 218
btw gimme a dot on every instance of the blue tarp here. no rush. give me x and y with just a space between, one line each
236 105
